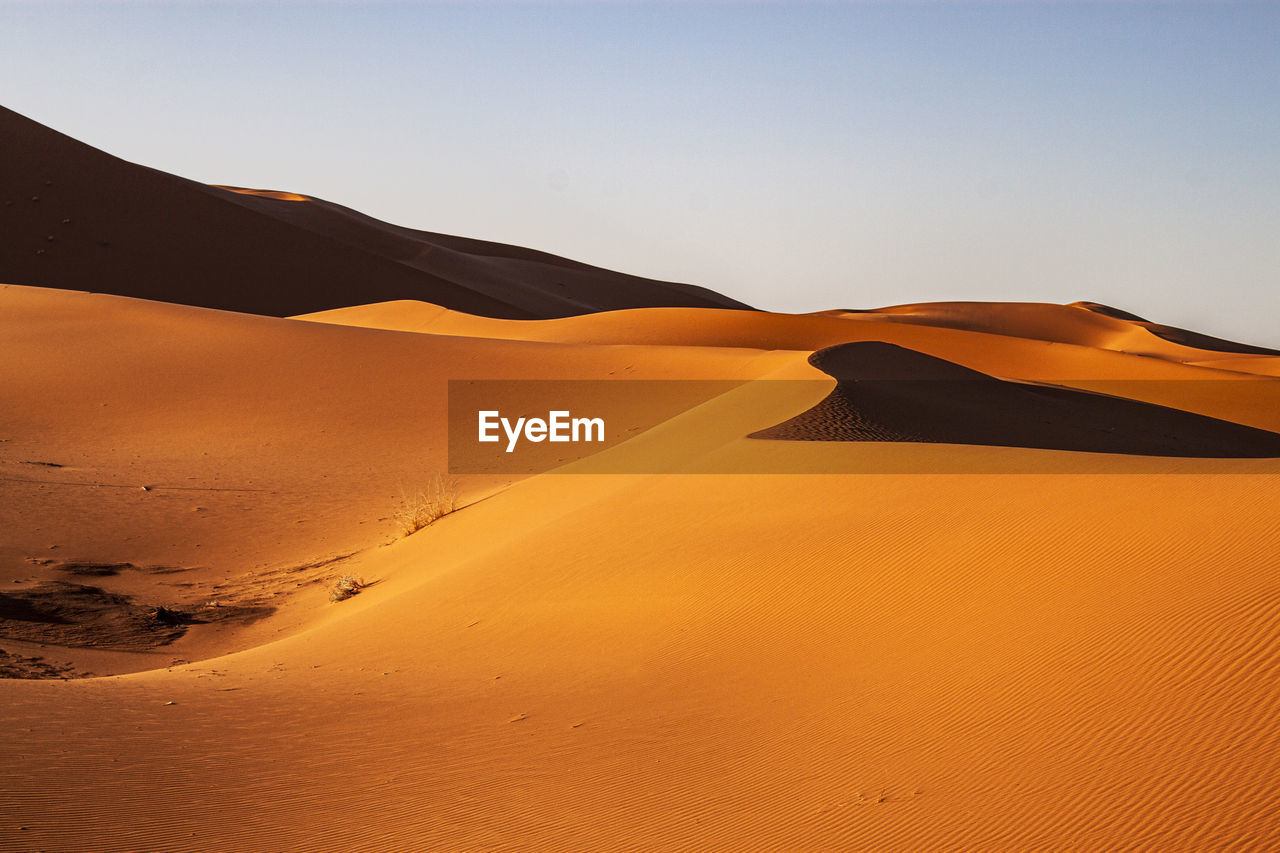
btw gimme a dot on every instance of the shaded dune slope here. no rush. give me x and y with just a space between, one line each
77 218
886 392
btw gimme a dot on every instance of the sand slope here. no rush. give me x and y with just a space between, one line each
807 663
256 452
77 218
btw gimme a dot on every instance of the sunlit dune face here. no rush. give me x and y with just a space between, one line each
952 611
276 194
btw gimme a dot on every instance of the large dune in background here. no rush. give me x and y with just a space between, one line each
76 218
799 661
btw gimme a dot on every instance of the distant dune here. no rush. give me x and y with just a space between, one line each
1082 323
1180 336
74 217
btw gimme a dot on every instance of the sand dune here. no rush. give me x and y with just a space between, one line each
889 393
1184 337
892 662
306 463
1264 366
1047 621
77 218
1210 389
1081 323
1074 324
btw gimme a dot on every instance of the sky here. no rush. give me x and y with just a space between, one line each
796 156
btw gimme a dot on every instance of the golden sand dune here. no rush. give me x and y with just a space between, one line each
801 661
74 217
1208 389
245 606
306 462
885 392
1262 366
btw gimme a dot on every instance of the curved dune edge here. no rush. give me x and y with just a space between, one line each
886 392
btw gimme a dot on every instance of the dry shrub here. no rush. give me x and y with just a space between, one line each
345 587
422 507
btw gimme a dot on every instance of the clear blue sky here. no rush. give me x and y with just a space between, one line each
798 156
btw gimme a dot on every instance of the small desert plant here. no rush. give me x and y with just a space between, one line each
345 587
420 508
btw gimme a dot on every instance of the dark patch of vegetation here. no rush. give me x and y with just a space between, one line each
75 615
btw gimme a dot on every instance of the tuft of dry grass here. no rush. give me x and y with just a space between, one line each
422 507
345 587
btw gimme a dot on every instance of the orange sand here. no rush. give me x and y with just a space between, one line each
799 662
810 660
